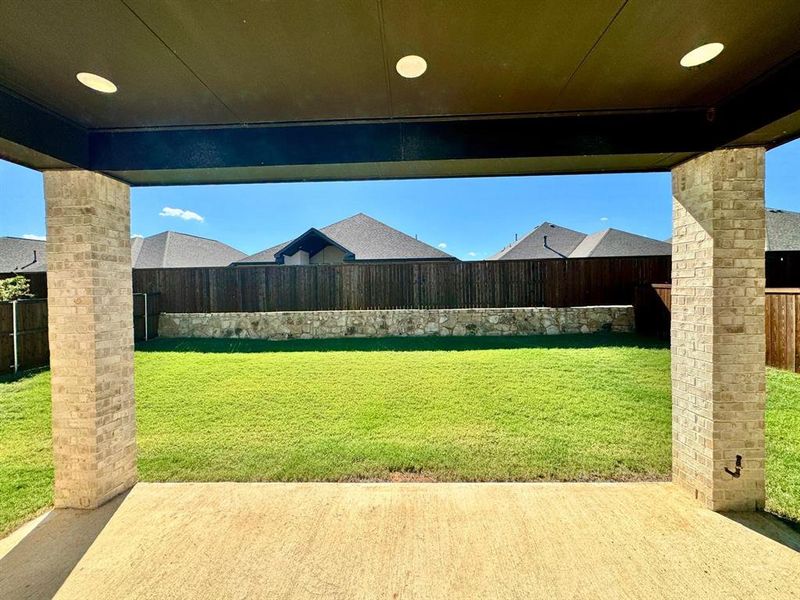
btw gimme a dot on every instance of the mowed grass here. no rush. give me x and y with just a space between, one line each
447 409
783 443
26 449
474 409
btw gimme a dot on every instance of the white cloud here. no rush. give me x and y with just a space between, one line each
33 236
604 218
137 235
442 245
472 254
186 215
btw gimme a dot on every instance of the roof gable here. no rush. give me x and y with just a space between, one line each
171 249
366 239
151 251
312 241
614 242
545 241
168 249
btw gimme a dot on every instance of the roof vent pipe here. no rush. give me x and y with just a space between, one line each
515 237
33 262
545 241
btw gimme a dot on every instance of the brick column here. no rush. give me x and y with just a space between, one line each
718 343
91 336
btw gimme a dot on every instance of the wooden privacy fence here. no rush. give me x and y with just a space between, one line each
146 308
551 282
23 334
782 314
783 328
547 282
651 308
23 330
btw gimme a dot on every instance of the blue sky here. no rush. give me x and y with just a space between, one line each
473 217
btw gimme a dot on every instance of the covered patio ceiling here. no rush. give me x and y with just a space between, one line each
308 90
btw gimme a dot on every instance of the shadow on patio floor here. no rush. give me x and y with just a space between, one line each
400 344
770 526
38 564
317 540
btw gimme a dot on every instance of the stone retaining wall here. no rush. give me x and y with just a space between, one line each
403 322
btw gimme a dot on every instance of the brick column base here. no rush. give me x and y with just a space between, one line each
718 343
91 337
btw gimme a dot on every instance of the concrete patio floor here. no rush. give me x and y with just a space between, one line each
317 540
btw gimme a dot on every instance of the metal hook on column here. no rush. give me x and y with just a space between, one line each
738 472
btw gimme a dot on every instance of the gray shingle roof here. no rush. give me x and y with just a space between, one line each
17 255
367 239
613 242
560 242
567 243
172 250
168 249
783 230
265 256
136 247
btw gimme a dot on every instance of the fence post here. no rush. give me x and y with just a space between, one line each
14 333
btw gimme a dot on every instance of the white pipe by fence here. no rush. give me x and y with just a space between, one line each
145 317
16 358
145 313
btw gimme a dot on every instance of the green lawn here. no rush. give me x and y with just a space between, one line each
563 407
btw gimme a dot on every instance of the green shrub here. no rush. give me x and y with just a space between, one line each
14 288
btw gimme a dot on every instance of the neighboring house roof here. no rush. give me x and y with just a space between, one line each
136 247
22 255
172 250
783 230
312 241
613 242
560 243
367 239
552 241
168 249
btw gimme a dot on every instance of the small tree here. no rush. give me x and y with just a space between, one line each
14 288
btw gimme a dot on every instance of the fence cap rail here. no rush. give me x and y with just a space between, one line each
786 291
24 300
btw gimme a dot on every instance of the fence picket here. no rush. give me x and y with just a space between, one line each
781 313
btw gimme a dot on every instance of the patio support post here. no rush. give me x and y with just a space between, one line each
718 343
90 306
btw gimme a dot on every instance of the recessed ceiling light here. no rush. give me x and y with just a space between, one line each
97 83
701 55
411 66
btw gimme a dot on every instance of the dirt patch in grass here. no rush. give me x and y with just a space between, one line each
406 477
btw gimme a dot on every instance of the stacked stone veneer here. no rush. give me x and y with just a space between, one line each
404 322
91 337
718 342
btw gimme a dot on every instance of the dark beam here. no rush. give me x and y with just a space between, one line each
27 124
409 140
772 96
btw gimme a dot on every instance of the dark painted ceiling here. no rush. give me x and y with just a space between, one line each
218 91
